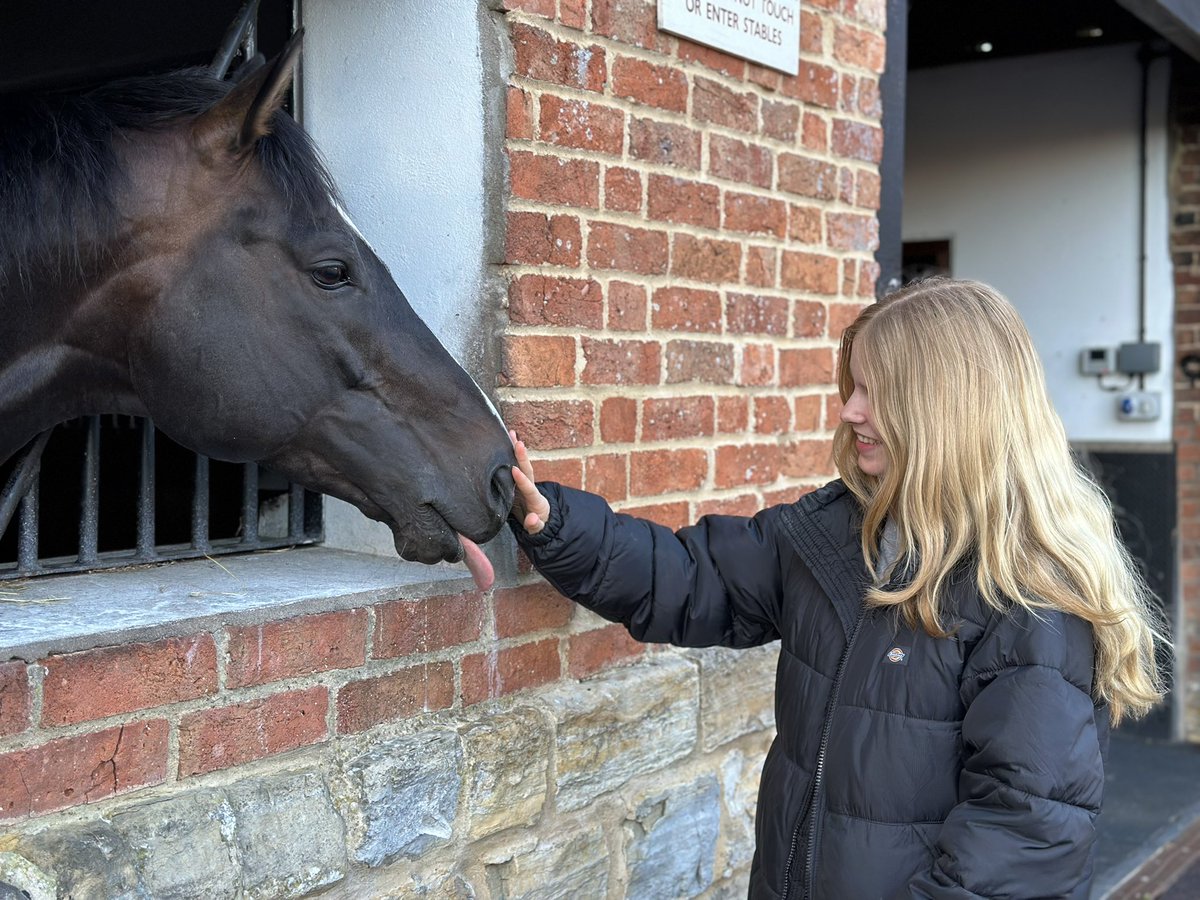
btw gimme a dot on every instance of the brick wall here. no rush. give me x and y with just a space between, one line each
686 236
1185 253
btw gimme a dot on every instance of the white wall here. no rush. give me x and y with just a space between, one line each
392 93
1030 167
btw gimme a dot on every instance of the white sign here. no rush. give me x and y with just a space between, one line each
765 31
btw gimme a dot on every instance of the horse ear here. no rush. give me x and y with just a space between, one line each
235 124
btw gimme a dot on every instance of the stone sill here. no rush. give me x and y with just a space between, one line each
65 613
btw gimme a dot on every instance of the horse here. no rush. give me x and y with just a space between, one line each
174 248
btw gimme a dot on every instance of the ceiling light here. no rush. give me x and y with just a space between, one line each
1093 31
985 47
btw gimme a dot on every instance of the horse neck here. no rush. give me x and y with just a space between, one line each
55 362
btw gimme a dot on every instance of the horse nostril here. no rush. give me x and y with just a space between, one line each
502 487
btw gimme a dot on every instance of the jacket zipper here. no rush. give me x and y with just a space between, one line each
814 792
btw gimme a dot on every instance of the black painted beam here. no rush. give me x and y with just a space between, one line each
1176 20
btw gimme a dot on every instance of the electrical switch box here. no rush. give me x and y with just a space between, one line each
1138 359
1139 406
1097 361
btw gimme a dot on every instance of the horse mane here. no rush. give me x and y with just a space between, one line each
59 173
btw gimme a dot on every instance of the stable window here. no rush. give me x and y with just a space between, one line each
111 490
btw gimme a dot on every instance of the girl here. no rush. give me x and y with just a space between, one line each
959 623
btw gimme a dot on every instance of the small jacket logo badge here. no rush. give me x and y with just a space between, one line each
897 656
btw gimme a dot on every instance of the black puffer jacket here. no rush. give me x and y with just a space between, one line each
905 766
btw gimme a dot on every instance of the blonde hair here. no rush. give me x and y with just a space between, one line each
980 471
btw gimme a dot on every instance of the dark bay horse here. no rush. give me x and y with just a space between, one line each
172 247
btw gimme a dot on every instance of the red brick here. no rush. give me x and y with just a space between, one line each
529 608
620 362
772 415
621 247
714 102
93 684
706 259
622 189
14 698
82 768
737 466
394 696
866 189
855 47
841 315
508 670
541 300
713 59
805 459
814 133
812 33
801 368
737 160
856 140
683 201
214 739
870 101
591 651
702 361
551 424
607 477
786 495
572 14
868 276
760 266
852 231
663 471
808 410
870 12
757 314
627 306
534 360
618 420
519 115
733 414
543 8
533 238
582 125
804 224
686 309
744 505
815 84
810 318
672 515
664 143
672 418
807 177
781 121
811 272
764 77
258 654
404 627
540 56
755 215
563 471
848 95
758 364
551 179
644 82
629 21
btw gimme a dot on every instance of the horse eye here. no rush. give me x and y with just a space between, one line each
331 275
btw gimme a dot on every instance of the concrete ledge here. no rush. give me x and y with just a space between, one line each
65 613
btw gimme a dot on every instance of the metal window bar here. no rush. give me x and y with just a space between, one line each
22 494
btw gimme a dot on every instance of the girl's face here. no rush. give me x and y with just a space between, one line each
872 454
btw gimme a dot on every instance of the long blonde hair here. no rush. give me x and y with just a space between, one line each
980 471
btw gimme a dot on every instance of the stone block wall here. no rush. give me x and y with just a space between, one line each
686 235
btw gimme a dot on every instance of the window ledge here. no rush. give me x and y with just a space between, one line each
64 613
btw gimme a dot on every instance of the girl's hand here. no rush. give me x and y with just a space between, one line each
528 503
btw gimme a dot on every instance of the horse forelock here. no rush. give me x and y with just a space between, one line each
60 173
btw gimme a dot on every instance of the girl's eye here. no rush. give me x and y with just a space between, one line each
331 274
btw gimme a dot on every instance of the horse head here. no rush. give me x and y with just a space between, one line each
230 299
